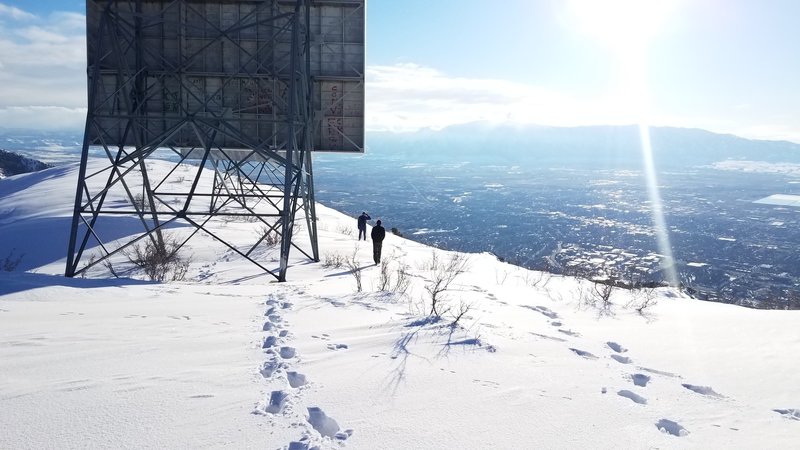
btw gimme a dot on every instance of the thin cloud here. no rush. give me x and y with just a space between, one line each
42 69
43 117
15 13
408 97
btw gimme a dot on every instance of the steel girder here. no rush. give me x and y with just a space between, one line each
145 104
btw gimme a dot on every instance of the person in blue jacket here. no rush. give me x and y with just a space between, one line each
362 224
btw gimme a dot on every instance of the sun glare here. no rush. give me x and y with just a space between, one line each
621 23
627 27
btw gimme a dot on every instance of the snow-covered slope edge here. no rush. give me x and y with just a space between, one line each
14 164
229 358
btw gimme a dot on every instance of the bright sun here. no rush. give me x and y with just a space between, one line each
621 23
627 26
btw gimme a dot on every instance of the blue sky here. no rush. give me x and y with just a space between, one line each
724 65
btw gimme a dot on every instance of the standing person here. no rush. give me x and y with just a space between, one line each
362 224
378 233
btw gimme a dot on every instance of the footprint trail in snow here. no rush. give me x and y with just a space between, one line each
288 385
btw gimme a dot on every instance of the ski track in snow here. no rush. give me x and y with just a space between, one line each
317 427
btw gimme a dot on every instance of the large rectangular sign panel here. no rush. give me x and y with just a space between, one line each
229 62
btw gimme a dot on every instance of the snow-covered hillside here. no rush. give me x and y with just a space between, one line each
230 358
14 164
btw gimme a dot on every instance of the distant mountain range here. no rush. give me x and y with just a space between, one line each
593 146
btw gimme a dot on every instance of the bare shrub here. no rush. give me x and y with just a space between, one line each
443 273
333 260
534 278
110 267
402 279
345 230
159 259
460 313
581 293
385 276
643 292
10 262
428 264
601 293
642 298
268 236
140 202
500 279
601 286
89 263
352 264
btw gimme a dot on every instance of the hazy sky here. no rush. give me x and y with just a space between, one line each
724 65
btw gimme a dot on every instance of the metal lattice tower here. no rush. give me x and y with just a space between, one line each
235 94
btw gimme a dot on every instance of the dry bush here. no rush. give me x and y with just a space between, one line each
333 260
429 264
159 259
601 292
402 280
352 264
443 273
140 203
385 276
460 313
500 278
110 267
534 278
397 281
595 287
642 298
345 230
268 236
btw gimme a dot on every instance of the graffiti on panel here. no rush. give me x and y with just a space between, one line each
333 115
262 96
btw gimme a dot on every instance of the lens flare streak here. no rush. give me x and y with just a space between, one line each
660 224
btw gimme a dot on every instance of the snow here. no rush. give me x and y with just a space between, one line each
783 168
231 358
780 200
698 264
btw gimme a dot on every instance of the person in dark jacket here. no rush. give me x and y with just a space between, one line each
378 233
362 224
